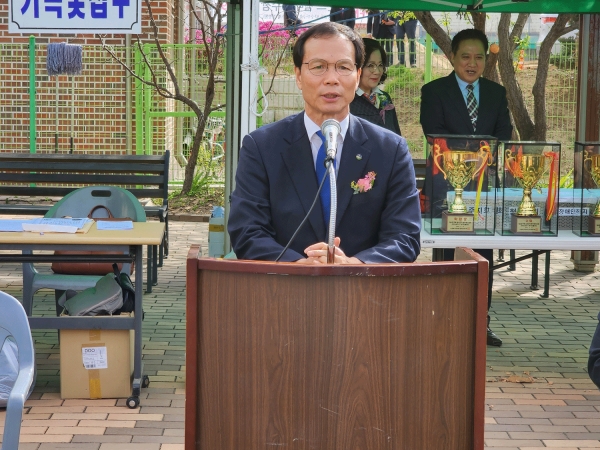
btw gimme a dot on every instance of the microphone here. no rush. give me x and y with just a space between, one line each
331 129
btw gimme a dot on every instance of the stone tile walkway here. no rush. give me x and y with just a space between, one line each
538 392
546 344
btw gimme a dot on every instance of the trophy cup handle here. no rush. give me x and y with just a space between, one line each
485 156
508 159
586 158
437 153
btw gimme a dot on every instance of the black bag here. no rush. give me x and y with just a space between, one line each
128 290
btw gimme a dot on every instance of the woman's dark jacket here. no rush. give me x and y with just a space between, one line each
363 108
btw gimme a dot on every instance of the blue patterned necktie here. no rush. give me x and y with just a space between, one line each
472 105
321 172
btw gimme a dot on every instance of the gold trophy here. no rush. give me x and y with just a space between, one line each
527 170
459 168
594 170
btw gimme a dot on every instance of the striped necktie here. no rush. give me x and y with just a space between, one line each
472 105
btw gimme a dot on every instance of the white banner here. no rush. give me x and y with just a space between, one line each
75 16
272 12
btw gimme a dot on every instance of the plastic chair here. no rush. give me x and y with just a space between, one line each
14 323
79 203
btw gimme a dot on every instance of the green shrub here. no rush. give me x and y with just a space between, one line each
567 58
400 78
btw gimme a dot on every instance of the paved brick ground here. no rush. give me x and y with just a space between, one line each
538 392
545 341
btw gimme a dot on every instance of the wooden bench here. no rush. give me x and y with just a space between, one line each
57 174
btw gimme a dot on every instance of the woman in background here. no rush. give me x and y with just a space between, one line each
370 102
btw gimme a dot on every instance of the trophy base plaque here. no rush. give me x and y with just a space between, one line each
531 225
457 223
594 225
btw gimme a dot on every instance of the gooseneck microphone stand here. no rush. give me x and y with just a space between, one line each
332 213
331 130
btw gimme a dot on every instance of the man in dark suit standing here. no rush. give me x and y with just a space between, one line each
385 34
345 16
378 214
594 356
290 16
373 21
464 103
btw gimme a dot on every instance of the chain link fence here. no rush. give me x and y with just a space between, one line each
104 110
404 86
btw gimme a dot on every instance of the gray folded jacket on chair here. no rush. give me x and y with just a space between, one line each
104 298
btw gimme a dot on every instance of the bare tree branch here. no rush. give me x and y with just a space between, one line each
435 31
159 48
517 30
163 91
280 56
211 43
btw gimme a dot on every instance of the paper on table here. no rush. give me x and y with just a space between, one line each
61 221
46 228
114 225
58 225
14 225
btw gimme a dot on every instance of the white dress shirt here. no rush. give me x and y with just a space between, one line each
315 140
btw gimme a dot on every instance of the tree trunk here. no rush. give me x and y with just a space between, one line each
516 103
202 116
190 167
435 31
479 20
491 71
539 87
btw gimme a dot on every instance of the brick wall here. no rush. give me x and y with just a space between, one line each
86 109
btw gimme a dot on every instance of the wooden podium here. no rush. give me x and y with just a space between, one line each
386 356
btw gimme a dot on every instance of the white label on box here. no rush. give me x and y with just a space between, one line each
565 211
514 209
94 357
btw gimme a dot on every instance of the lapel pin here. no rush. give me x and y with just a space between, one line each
359 157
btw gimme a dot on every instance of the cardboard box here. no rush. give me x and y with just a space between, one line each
96 363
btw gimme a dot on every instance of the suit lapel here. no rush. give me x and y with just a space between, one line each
352 165
297 156
457 98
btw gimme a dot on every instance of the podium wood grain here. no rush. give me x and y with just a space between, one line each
332 357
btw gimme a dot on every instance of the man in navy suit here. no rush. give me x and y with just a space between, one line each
443 101
594 357
276 182
444 111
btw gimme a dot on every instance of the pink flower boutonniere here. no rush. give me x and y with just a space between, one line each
364 184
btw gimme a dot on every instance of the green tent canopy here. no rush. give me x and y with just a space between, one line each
489 6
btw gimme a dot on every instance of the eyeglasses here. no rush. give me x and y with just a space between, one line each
375 67
343 67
